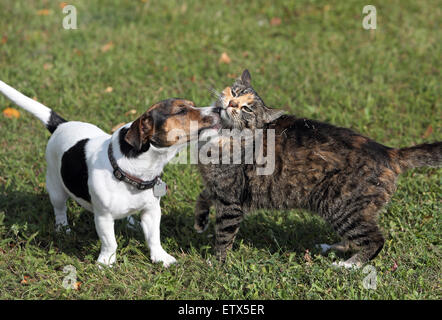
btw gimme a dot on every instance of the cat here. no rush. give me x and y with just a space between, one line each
343 176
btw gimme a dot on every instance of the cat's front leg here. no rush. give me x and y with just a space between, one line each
228 220
202 209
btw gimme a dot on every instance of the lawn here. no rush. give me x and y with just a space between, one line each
310 58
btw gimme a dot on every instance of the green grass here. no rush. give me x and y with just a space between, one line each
318 63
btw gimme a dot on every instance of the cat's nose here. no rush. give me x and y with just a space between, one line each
232 104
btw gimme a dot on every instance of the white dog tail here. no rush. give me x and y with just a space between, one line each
50 119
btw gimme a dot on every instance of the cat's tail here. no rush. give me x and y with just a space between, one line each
423 155
49 118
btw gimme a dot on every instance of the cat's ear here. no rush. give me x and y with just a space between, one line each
272 114
140 131
246 78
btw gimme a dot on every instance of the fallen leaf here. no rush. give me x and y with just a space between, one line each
4 39
11 113
24 280
275 21
307 257
108 89
77 285
131 112
232 75
47 66
224 58
118 126
44 12
78 52
395 266
428 132
63 4
107 46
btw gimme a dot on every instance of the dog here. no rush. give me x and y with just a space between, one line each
115 176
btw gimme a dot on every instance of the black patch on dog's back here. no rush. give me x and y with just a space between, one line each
54 121
74 170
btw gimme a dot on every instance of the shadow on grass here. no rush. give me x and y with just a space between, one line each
274 231
27 213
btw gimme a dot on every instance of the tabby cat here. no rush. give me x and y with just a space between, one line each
343 176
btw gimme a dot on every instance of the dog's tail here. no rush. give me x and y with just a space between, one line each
423 155
49 118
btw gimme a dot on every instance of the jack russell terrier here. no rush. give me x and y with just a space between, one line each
114 176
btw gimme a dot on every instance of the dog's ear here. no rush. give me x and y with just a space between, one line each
140 131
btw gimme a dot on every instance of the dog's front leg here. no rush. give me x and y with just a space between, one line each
150 222
104 224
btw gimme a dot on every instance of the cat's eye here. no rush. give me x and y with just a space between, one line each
246 109
233 92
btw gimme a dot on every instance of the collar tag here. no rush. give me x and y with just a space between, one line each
160 188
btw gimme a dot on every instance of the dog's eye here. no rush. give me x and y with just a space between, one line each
246 109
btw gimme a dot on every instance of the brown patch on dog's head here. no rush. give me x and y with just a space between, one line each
169 122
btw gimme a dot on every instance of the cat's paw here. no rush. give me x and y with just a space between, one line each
323 247
345 265
201 225
352 263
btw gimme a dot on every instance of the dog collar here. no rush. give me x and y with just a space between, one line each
123 176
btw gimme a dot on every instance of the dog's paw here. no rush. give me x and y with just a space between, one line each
106 260
164 257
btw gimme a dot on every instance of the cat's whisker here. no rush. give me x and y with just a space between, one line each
215 93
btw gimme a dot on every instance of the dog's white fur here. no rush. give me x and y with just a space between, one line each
110 199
